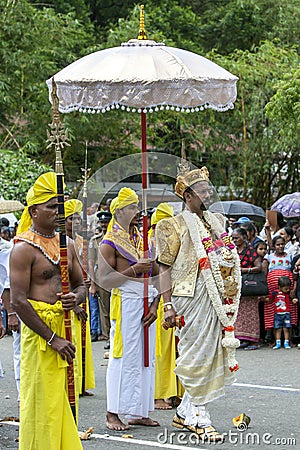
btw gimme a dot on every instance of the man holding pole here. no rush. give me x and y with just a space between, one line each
130 385
46 420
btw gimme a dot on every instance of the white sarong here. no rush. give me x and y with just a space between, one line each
130 385
201 366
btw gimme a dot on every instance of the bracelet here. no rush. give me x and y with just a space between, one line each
250 270
133 270
12 314
51 339
168 305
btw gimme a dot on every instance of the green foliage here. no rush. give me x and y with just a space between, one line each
254 161
18 172
159 27
34 45
237 24
284 106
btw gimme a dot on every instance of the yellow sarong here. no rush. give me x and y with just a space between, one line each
46 420
165 378
89 363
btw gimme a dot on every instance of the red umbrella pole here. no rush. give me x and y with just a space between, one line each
145 233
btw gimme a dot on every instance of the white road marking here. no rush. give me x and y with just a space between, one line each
148 443
11 422
261 386
152 444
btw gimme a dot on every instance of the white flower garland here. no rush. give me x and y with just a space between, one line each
226 312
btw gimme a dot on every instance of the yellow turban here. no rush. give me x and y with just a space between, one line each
113 206
126 197
163 211
42 191
72 207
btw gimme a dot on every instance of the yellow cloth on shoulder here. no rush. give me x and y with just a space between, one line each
72 206
46 420
116 314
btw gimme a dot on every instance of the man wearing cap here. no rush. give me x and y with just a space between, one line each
73 209
130 385
46 420
240 221
96 291
200 279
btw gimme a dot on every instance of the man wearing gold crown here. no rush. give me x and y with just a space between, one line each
46 420
200 279
130 385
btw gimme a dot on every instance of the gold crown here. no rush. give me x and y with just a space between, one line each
186 178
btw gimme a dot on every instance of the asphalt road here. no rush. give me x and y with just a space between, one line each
267 390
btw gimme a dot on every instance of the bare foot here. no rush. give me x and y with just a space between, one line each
86 394
114 423
146 421
160 403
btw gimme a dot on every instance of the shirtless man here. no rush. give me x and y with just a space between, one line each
130 385
37 298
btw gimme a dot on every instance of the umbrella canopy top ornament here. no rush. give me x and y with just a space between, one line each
144 76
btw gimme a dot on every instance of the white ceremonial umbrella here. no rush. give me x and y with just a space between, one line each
144 76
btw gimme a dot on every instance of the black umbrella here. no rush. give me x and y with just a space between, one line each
236 208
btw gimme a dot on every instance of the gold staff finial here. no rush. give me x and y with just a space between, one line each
85 174
142 32
57 136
